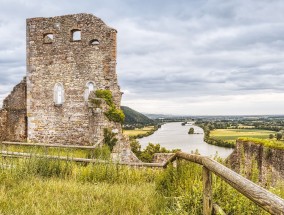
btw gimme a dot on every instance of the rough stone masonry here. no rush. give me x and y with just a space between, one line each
68 57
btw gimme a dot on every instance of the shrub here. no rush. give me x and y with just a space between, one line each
147 154
113 114
278 136
106 95
191 131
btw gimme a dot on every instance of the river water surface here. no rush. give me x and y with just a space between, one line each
174 136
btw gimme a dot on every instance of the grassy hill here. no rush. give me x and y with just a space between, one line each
44 186
47 186
134 117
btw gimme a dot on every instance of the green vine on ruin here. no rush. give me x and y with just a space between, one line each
113 114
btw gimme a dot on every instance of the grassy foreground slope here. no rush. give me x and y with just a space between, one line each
41 186
60 196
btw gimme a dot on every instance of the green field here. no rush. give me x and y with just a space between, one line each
138 131
233 134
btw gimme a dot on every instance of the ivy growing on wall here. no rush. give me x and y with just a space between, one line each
113 114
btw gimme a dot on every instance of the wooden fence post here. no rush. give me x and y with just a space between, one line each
207 191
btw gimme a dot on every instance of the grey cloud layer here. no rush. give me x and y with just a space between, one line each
186 50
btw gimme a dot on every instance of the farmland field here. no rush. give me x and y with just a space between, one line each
233 134
138 131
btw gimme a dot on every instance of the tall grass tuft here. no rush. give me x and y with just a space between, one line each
182 188
45 168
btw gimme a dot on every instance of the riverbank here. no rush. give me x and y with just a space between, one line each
175 136
141 132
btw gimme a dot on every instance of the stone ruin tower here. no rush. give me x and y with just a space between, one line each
68 58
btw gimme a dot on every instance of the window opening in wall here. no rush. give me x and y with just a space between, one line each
48 38
90 88
76 35
58 94
94 42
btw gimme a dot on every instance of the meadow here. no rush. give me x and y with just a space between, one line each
40 186
233 134
45 186
138 131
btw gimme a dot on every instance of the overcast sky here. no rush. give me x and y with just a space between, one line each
195 57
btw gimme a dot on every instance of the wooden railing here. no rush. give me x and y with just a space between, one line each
13 154
48 145
77 160
262 197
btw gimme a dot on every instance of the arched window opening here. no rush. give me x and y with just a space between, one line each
90 86
58 94
76 35
48 38
94 42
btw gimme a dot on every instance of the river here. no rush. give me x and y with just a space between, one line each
174 136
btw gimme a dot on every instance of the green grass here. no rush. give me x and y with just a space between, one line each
135 132
42 186
68 152
60 196
183 188
267 143
234 134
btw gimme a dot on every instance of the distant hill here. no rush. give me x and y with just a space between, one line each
134 117
159 116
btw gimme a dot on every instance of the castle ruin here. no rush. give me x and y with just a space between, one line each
68 58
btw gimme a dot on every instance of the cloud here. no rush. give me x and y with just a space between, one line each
174 56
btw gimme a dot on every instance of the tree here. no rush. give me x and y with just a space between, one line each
191 131
271 136
278 136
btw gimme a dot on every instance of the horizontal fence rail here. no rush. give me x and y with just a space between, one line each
49 145
262 197
78 160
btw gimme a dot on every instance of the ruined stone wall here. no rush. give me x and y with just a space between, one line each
13 115
98 121
3 122
269 161
54 57
162 157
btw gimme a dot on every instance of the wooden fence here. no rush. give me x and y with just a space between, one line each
48 145
262 197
